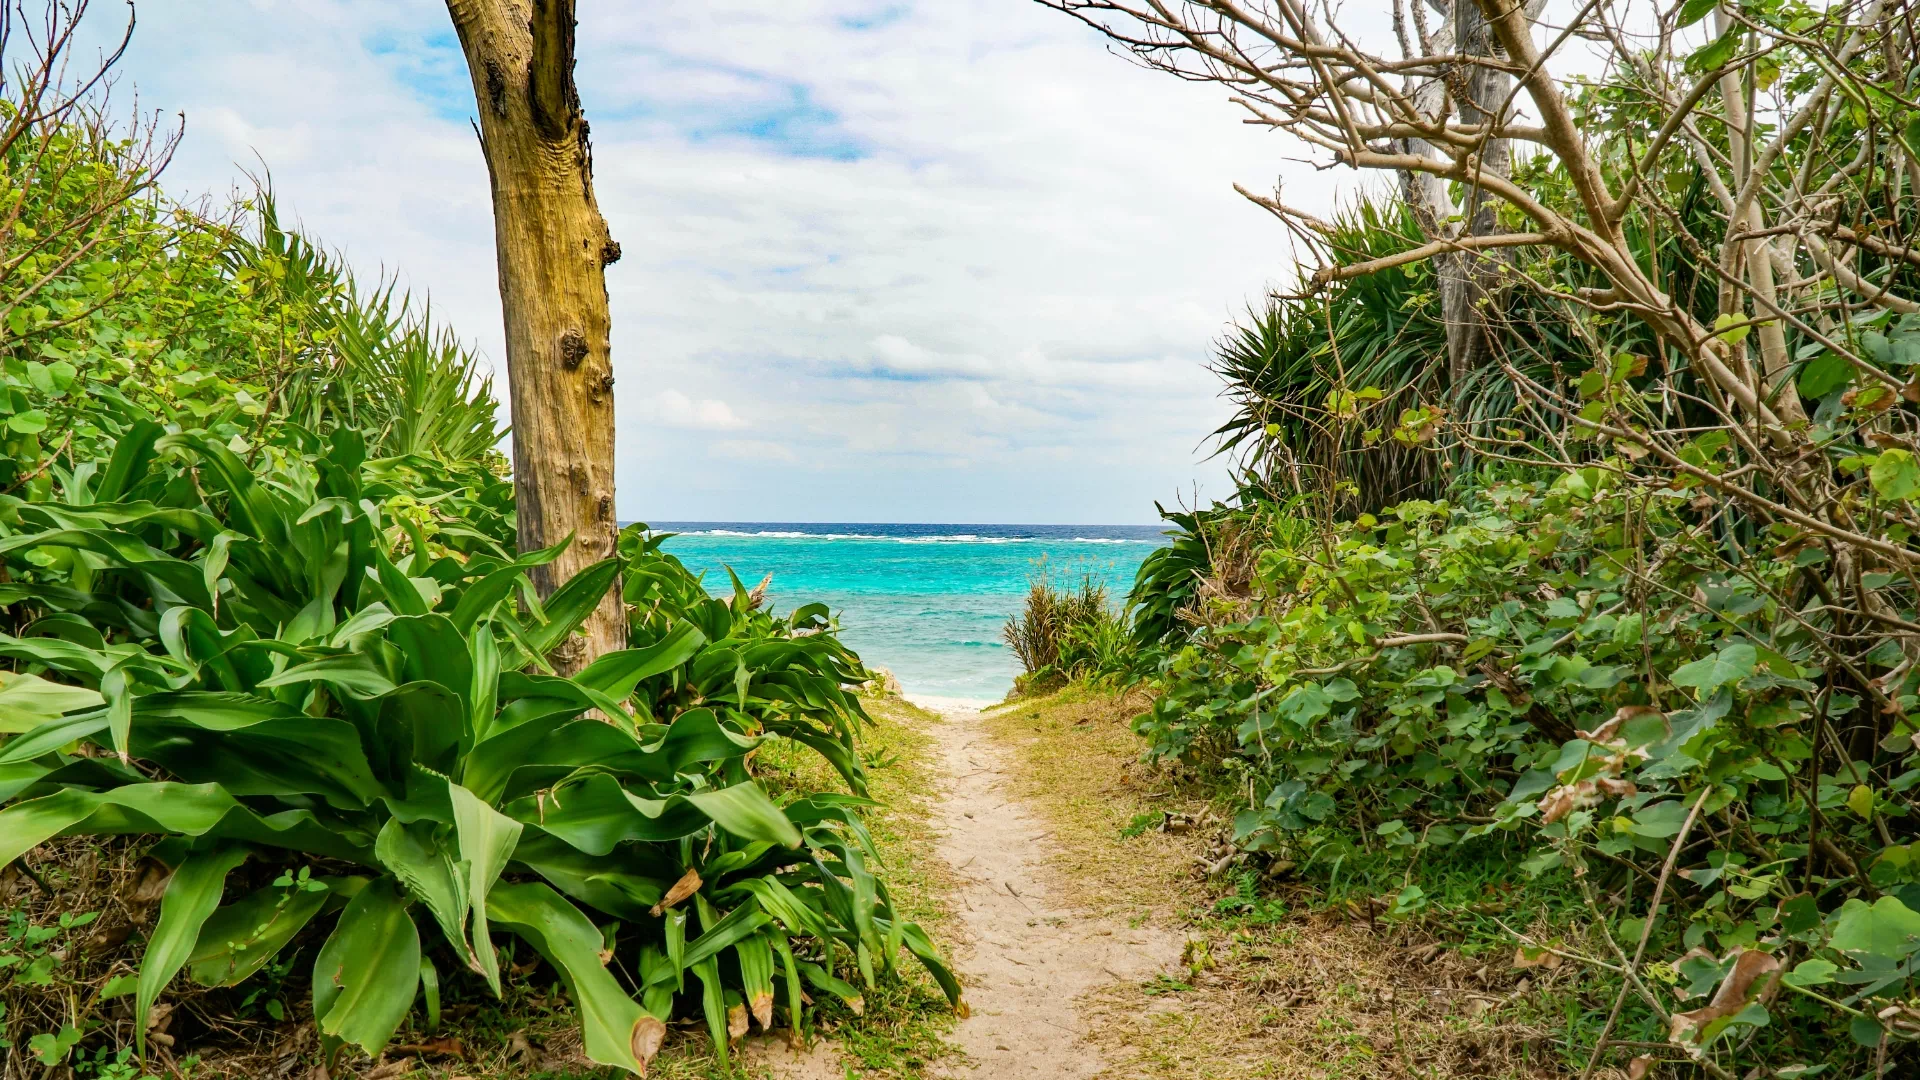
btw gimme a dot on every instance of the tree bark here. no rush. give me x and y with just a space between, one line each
1468 279
553 249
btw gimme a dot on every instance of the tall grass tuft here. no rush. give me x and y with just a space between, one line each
1064 632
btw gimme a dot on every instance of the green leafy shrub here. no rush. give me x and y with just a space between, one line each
283 678
1559 664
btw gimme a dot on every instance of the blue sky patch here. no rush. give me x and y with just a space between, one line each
786 121
882 16
431 66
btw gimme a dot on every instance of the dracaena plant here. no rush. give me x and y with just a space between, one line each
282 665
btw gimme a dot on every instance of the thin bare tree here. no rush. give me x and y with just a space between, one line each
1797 249
553 248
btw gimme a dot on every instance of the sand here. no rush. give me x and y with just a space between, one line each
1025 957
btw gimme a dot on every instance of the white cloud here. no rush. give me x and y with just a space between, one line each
676 410
921 261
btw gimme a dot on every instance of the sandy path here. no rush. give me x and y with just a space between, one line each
1025 957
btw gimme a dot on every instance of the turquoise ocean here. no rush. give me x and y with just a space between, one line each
926 602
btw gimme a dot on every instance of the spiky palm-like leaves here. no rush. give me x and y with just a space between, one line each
364 358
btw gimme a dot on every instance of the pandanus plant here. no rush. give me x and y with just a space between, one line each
271 669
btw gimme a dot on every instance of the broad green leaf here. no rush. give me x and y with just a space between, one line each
1810 973
53 735
434 651
27 701
168 808
365 975
755 956
1711 57
597 813
357 674
1895 475
745 811
119 698
254 746
615 674
427 871
572 602
823 980
1877 935
480 598
1824 374
1693 11
133 455
626 887
251 504
784 905
191 896
922 946
487 841
1731 664
1860 801
739 924
1661 820
713 1003
697 736
430 991
241 937
616 1030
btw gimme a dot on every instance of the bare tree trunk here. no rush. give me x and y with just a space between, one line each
1468 278
553 248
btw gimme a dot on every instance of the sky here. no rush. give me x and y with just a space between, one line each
945 260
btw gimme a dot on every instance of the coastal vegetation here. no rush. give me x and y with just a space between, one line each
1541 701
1566 606
1063 633
303 761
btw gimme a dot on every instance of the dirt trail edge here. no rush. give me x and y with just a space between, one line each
1026 957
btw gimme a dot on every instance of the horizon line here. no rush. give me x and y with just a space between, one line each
957 524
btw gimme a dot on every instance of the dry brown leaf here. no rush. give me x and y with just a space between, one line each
438 1046
390 1069
1610 730
518 1046
1751 977
1567 798
1637 1068
151 885
736 1022
1901 1021
648 1034
1524 957
688 884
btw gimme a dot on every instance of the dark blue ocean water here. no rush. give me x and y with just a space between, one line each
927 602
